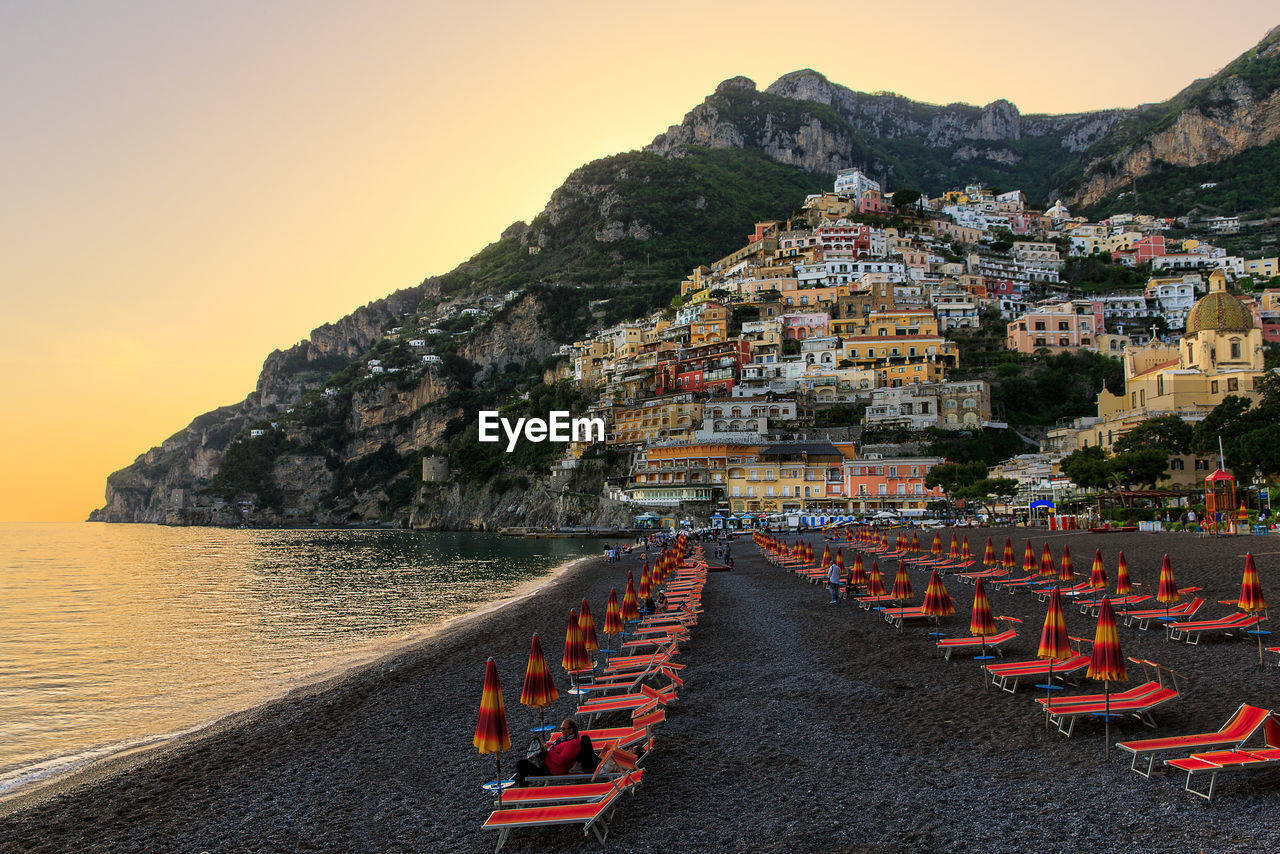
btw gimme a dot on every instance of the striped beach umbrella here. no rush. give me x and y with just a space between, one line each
915 542
875 581
937 601
965 554
1167 593
1098 575
902 584
613 615
575 652
646 582
1047 569
936 548
1107 663
491 725
808 552
1029 559
1251 600
1243 515
981 622
1124 585
539 690
826 555
1066 571
953 553
587 625
630 605
857 575
1008 554
1054 644
989 556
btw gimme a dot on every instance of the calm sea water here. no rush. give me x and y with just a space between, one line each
116 636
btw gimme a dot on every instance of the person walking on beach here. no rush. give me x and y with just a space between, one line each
833 581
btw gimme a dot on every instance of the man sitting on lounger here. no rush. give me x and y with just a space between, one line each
560 755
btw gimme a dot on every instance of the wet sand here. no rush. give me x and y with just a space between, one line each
802 727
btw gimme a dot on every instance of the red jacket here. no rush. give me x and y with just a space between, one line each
562 753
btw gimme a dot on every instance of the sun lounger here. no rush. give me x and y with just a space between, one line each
640 703
1191 630
1238 729
869 602
1001 674
571 793
1215 762
1139 702
592 816
898 616
1143 618
641 728
1119 603
984 574
974 644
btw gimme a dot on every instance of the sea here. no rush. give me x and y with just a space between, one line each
119 637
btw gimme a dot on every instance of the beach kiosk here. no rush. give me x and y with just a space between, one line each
1220 502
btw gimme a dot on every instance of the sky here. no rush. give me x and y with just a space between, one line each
185 187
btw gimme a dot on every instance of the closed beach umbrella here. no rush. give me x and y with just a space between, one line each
1167 593
989 556
1029 559
539 690
1047 569
902 584
1124 585
826 555
1251 599
981 622
630 606
645 582
840 559
491 726
937 601
857 575
936 548
808 553
954 552
575 653
1098 576
1243 515
965 554
1054 644
915 541
875 581
612 615
587 625
1066 571
1107 663
1008 554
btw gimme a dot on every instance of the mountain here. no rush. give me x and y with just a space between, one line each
324 439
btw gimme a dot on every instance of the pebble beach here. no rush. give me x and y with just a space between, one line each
801 727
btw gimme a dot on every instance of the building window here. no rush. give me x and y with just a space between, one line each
1213 386
1235 349
1233 384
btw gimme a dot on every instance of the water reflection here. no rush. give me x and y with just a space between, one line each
112 634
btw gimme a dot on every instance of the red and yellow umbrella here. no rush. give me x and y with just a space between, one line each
915 541
645 582
1243 515
1098 576
936 548
613 615
937 601
539 690
826 555
965 554
491 726
1008 554
1124 585
875 581
1251 600
1066 571
902 584
630 606
954 552
981 622
1167 592
1107 663
989 556
858 575
1047 569
1029 559
587 625
840 559
575 652
1054 644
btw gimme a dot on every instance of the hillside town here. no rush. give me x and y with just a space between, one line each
755 391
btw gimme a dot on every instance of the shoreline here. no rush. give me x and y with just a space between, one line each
330 676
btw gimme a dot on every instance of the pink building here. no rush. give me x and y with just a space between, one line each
802 326
889 483
1064 326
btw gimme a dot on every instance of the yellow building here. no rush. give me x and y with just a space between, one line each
672 417
675 474
789 476
711 327
1220 355
888 324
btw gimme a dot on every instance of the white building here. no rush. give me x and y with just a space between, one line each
851 182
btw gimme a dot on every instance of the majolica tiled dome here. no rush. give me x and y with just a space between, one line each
1219 311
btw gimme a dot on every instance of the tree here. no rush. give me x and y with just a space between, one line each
903 198
1140 466
1168 433
990 490
1087 467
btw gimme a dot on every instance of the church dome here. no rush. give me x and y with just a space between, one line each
1218 311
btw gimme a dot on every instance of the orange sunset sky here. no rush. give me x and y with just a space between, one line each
188 186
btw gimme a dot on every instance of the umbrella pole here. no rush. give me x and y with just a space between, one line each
497 757
1048 694
1106 716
